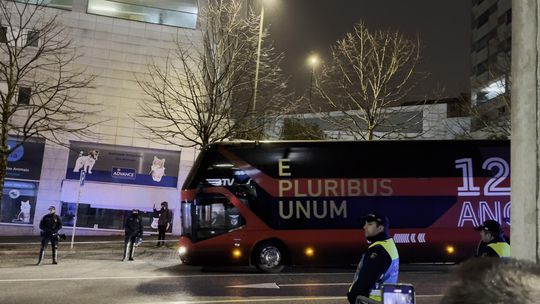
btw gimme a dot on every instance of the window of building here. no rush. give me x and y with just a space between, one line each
18 202
483 19
32 38
99 217
492 90
181 13
481 68
24 95
61 4
3 34
484 41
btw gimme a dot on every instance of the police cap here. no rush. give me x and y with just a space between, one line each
490 226
380 219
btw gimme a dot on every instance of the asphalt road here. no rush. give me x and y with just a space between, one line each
158 277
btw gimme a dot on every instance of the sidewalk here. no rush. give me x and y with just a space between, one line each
29 245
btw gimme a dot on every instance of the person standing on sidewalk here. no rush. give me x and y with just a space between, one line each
164 216
133 229
50 224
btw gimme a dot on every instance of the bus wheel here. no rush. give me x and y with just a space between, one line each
269 257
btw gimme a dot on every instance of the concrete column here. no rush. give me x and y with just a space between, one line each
525 129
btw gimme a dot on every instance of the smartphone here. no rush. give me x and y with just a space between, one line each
398 294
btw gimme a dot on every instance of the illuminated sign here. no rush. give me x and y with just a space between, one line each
124 173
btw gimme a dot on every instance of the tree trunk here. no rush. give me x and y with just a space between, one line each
4 151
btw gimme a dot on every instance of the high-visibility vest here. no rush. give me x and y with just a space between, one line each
391 274
501 248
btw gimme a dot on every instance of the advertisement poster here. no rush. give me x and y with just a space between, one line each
26 160
23 172
123 164
18 202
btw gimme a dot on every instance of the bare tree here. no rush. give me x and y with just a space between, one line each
38 79
296 128
203 93
370 73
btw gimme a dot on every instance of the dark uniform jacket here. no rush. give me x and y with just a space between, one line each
50 224
486 249
374 264
133 225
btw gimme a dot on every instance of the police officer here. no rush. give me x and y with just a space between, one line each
133 229
50 224
492 242
379 264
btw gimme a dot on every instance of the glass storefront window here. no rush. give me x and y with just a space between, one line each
18 202
102 218
181 13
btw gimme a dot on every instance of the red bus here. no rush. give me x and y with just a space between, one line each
272 203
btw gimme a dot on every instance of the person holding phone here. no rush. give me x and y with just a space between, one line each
164 216
492 243
379 264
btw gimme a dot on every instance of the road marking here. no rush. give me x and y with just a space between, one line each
269 300
262 285
165 277
274 285
257 300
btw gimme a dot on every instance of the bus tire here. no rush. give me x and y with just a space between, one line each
268 257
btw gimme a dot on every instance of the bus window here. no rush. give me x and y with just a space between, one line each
186 218
216 215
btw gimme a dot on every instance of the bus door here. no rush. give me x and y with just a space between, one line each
217 229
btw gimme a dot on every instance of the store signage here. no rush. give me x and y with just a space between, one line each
123 164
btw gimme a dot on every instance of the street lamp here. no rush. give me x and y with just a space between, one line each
261 24
313 61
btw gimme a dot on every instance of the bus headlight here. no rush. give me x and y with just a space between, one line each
182 250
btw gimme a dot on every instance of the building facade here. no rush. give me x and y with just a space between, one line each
124 169
491 35
436 120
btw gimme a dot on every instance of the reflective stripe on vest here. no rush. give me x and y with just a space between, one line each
391 274
501 248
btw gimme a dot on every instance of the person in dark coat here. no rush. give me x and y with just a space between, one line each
164 216
133 229
49 225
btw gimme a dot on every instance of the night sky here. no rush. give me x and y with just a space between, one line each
300 27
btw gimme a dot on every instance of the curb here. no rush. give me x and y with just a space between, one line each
81 251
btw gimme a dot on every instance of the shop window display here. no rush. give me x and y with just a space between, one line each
101 218
18 202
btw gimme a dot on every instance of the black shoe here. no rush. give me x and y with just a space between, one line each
55 262
131 259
